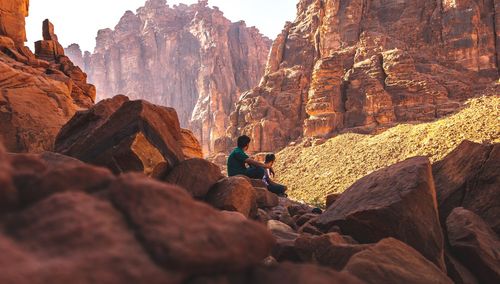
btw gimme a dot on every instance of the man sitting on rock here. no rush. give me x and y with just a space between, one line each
238 161
272 186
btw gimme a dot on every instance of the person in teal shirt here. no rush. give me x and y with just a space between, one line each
238 161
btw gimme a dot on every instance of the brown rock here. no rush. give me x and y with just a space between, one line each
469 177
391 261
8 193
330 250
186 235
398 202
12 20
234 194
265 198
294 274
206 65
475 244
457 272
190 145
54 239
196 176
136 137
331 198
366 65
48 31
37 97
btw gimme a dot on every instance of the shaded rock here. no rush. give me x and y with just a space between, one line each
136 137
234 194
265 198
40 176
399 202
475 244
54 244
196 176
330 250
185 235
391 261
469 177
284 248
8 192
457 272
331 198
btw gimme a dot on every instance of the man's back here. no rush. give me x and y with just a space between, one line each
236 162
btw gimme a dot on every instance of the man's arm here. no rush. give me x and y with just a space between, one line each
255 163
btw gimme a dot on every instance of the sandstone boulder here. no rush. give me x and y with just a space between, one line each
234 194
265 198
398 201
475 244
469 177
191 147
62 238
196 176
391 261
136 137
185 235
331 250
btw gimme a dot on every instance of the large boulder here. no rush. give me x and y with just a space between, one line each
391 261
234 194
196 176
475 244
398 201
469 177
136 137
332 250
74 237
186 235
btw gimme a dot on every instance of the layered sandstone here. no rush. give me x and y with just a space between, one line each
39 92
190 58
365 65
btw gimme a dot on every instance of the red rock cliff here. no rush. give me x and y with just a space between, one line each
188 57
365 65
39 92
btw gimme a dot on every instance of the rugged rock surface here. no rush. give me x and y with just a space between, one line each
124 136
190 58
469 177
475 244
234 194
38 92
382 263
399 202
365 65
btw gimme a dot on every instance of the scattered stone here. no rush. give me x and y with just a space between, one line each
234 194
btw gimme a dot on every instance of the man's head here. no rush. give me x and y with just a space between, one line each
270 158
243 142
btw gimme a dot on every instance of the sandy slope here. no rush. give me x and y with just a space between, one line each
313 172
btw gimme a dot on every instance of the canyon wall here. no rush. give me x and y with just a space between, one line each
364 65
39 92
190 58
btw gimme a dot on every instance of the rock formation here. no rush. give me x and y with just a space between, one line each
38 92
190 58
365 65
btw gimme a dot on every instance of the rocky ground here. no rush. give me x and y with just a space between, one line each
315 168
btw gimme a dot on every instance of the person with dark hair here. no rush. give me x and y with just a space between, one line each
238 161
272 186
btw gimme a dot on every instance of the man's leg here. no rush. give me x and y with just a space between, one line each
255 172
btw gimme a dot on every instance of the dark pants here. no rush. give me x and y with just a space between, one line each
255 172
277 189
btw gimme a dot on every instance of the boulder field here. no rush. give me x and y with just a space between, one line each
103 211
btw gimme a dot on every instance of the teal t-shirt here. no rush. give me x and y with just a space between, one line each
236 162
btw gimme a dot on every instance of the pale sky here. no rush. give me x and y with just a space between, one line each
77 21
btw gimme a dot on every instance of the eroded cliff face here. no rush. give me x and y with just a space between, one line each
365 65
188 57
39 92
